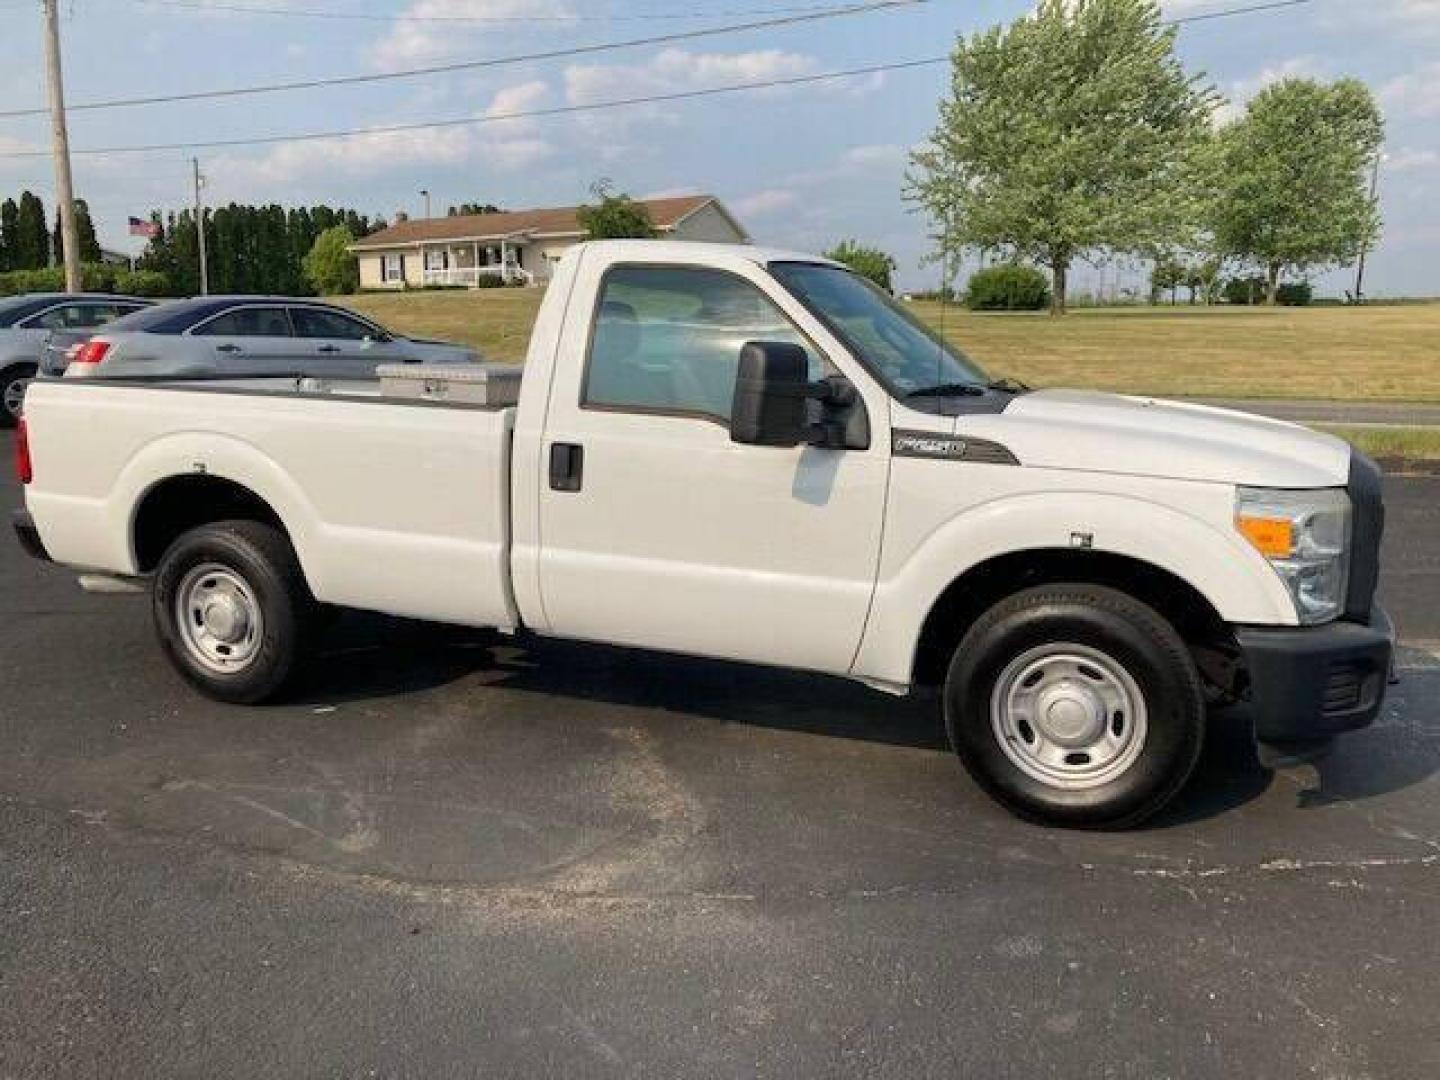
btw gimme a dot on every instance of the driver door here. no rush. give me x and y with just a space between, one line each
656 529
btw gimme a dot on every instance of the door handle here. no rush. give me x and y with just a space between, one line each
328 349
567 466
228 348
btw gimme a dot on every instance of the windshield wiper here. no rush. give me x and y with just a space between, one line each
954 389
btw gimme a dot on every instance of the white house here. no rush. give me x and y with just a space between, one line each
517 245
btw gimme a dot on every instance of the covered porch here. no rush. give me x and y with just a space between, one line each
467 263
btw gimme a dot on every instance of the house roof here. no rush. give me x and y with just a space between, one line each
556 221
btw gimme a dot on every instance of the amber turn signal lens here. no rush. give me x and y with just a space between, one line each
1272 537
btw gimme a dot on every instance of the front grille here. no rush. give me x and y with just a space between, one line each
1368 527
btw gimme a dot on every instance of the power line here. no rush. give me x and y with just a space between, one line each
365 16
498 61
596 106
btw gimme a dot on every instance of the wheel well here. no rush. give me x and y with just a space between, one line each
182 503
20 365
982 586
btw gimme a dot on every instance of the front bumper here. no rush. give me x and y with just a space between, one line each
28 535
1310 683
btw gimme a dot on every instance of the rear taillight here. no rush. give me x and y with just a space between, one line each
23 469
92 352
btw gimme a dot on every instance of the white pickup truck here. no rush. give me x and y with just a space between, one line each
756 456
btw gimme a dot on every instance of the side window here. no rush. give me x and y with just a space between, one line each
248 322
74 316
668 339
319 323
392 268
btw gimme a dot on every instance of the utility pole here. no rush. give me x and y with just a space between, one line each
60 147
1364 248
200 227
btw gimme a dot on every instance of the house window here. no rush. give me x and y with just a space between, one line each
392 268
435 259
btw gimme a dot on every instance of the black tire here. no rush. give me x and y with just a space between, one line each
1130 636
8 380
261 560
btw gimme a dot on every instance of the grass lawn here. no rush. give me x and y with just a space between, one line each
1392 444
1359 354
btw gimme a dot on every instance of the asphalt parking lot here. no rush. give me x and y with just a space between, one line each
456 856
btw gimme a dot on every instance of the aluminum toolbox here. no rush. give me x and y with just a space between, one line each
460 384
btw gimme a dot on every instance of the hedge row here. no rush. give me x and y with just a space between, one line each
94 277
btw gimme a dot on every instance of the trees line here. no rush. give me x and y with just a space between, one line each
1076 133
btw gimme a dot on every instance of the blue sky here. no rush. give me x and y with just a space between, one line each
801 167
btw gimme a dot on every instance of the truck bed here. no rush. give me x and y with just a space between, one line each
353 476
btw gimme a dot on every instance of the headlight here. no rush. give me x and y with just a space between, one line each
1306 537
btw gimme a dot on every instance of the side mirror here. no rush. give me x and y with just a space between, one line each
771 388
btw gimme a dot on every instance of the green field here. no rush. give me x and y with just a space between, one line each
1358 354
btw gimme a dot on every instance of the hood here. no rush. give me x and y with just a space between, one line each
1075 429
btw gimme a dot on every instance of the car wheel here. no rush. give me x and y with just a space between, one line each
1076 705
232 610
13 382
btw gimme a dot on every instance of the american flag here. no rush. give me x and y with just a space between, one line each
143 228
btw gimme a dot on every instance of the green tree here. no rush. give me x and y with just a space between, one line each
615 217
1067 133
467 208
85 227
9 234
32 235
868 262
1291 178
330 268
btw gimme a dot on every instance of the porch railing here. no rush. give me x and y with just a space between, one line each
470 275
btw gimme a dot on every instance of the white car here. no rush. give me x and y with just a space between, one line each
756 456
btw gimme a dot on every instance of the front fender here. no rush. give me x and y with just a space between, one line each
1217 563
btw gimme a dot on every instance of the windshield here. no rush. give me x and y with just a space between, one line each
898 348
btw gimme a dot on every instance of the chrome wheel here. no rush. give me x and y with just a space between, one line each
1068 716
14 397
219 617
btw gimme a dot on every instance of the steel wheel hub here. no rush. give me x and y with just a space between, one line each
1068 715
219 617
15 396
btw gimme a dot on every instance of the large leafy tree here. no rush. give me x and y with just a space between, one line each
615 216
330 267
1290 178
866 261
1066 133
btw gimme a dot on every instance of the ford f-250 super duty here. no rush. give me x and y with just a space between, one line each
756 456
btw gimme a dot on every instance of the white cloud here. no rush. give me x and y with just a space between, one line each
1414 94
875 156
763 203
419 42
504 147
677 70
1240 91
1409 159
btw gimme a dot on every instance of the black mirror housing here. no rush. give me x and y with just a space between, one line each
772 386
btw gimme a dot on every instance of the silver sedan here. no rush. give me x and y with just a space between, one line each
248 335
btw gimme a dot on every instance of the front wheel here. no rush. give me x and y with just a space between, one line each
1076 705
232 609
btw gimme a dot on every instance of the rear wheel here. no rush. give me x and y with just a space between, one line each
13 382
232 609
1076 705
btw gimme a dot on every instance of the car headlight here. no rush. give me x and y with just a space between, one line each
1305 535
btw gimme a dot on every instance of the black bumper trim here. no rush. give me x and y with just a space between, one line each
28 535
1318 681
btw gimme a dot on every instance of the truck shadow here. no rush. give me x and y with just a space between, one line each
370 657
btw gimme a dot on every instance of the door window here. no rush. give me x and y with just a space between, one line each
248 322
320 323
668 339
75 316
